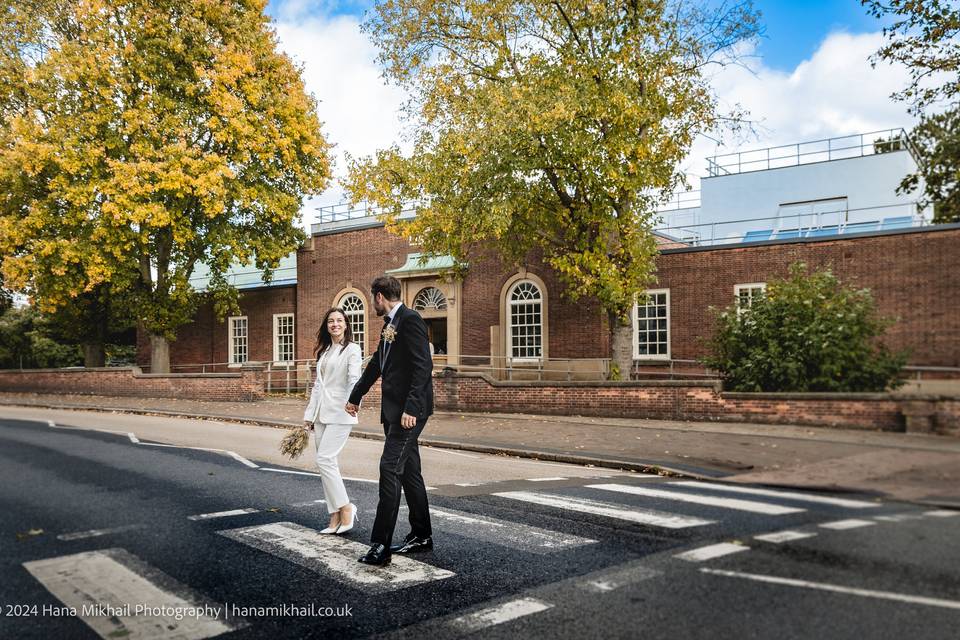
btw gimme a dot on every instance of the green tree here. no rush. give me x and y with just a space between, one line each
139 138
925 37
28 340
806 333
548 126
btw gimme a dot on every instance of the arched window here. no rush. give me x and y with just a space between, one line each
430 299
525 314
353 309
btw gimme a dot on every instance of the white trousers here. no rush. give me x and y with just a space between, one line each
329 440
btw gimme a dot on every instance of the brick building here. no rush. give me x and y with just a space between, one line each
503 316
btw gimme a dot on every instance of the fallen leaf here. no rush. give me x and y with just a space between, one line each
30 534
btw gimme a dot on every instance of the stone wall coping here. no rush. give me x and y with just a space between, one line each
605 384
135 371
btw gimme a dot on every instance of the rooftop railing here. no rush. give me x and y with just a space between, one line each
791 155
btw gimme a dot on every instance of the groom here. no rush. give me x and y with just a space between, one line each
404 366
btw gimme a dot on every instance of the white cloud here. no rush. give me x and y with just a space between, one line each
834 93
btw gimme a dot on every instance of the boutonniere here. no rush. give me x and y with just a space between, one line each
389 333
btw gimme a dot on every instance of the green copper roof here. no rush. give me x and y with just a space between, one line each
248 276
412 265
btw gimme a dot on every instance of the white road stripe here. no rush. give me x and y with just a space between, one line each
51 423
711 551
468 484
335 554
899 517
884 595
120 596
789 495
133 437
545 479
222 514
308 503
842 525
499 614
942 513
713 501
784 536
94 533
452 453
511 534
239 458
608 510
617 578
298 473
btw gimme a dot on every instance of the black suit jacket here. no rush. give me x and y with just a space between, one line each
405 369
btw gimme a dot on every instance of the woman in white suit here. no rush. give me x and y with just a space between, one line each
338 369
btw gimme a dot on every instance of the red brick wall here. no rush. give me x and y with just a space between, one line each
910 275
675 400
244 386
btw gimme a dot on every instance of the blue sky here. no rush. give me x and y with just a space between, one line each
794 29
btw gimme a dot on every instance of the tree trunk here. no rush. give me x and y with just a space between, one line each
159 354
621 348
93 354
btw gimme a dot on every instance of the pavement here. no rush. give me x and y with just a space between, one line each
916 468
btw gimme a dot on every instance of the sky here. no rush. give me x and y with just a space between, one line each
808 78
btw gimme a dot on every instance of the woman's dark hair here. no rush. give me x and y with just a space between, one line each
324 341
388 286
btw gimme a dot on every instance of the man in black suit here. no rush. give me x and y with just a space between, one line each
405 368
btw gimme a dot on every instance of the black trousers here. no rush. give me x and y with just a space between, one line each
400 467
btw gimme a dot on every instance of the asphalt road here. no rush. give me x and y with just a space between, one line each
228 543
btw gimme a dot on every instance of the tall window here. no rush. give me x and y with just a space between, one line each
652 320
526 321
430 299
283 337
238 339
353 309
746 293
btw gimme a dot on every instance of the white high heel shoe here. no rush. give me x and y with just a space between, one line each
347 526
331 530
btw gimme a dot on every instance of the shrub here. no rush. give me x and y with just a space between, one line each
806 333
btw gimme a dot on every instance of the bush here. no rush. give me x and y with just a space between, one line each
807 333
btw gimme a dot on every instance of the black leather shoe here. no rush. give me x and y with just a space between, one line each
378 555
413 545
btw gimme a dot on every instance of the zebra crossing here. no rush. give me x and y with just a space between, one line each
75 578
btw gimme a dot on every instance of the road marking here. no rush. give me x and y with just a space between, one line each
724 503
308 503
784 536
842 525
545 479
222 514
120 596
239 458
899 517
509 534
941 513
468 484
453 453
133 437
501 613
606 509
711 551
324 553
617 578
789 495
883 595
51 423
94 533
298 473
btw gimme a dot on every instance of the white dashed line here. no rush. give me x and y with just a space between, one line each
222 514
608 510
545 479
784 536
239 458
711 551
94 533
712 501
883 595
788 495
941 513
499 614
133 437
842 525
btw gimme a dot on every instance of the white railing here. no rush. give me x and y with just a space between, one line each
791 155
681 200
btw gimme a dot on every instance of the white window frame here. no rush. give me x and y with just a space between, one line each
360 338
748 286
230 340
636 329
276 339
510 303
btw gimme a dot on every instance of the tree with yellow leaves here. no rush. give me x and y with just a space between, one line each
548 125
140 138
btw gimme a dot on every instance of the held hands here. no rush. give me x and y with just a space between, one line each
351 409
408 421
308 425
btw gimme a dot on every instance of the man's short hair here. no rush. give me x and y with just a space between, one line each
388 286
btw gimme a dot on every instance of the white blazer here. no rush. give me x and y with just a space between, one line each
330 392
